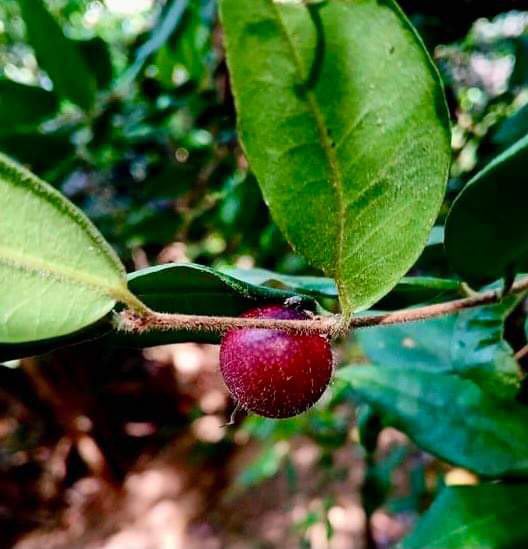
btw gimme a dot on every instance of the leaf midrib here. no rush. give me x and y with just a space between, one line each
36 266
336 179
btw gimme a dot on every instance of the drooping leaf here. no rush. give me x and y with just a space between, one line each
421 345
486 229
353 180
479 351
22 105
195 289
57 274
488 515
59 56
448 416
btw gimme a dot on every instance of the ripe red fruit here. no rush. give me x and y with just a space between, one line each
273 373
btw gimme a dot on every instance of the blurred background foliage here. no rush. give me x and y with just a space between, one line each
137 127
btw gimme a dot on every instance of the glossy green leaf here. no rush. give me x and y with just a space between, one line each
479 351
22 105
410 290
315 286
59 56
353 180
57 274
470 344
484 516
486 230
195 289
448 416
414 290
420 345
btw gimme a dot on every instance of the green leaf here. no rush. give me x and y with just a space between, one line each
343 119
488 515
421 345
57 274
96 55
167 24
22 105
409 291
486 229
479 351
414 290
470 344
195 289
448 416
315 286
40 152
11 351
59 56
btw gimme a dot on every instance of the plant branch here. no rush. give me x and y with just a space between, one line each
334 325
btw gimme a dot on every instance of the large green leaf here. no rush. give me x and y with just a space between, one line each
59 56
470 344
22 105
57 274
420 345
484 516
480 352
342 116
195 289
486 230
448 416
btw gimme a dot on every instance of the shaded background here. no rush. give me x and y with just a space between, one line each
123 449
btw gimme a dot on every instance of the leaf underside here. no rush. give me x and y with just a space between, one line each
57 274
354 164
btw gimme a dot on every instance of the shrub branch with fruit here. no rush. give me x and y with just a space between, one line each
343 120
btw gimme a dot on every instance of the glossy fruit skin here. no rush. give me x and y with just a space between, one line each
273 373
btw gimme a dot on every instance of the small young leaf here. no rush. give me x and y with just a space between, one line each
59 56
448 416
57 274
488 515
195 289
486 229
343 119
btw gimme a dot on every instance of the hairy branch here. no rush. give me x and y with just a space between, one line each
334 325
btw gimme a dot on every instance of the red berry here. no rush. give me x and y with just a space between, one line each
273 373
